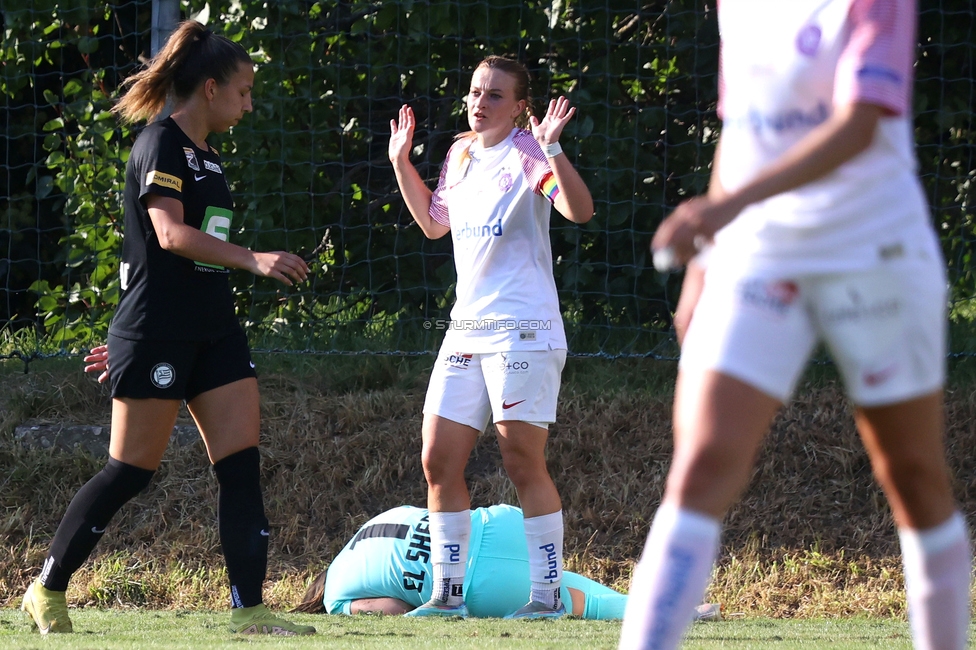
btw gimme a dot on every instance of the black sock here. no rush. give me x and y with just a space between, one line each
242 525
84 522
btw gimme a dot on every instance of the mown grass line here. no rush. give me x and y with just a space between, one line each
132 629
812 536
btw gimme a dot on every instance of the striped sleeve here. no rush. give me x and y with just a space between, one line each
876 66
438 202
720 106
535 166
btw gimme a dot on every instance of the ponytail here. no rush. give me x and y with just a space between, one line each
192 55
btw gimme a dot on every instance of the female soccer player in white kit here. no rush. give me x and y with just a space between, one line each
821 233
505 351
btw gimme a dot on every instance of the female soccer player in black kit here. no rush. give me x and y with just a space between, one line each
175 335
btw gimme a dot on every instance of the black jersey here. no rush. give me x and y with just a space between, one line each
166 296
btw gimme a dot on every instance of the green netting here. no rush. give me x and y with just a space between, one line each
310 173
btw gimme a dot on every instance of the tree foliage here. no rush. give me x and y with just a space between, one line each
310 174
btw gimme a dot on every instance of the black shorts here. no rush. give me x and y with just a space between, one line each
178 370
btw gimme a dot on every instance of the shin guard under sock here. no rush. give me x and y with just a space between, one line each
450 535
938 566
242 525
670 579
544 537
84 522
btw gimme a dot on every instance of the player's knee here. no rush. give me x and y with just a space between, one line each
709 476
440 469
123 480
524 471
907 474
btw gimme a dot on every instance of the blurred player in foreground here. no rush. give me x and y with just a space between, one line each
175 335
386 568
504 352
821 234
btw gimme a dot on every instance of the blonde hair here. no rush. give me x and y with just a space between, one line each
192 55
521 75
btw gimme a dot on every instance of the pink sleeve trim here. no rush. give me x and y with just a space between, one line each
535 165
720 106
876 66
438 205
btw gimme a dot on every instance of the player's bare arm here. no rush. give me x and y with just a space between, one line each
415 193
387 606
177 237
848 132
574 201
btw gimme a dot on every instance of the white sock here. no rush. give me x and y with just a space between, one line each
670 579
544 536
450 533
938 564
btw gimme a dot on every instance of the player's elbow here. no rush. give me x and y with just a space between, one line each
862 125
585 215
168 238
577 207
434 230
860 140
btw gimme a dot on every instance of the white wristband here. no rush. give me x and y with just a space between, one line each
552 149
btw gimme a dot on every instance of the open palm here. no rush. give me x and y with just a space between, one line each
401 138
557 115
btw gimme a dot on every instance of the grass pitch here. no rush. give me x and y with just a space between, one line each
812 538
128 629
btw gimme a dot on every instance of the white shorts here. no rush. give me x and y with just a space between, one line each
885 328
520 385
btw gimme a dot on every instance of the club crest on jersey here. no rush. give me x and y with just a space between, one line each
505 183
808 40
191 159
212 167
163 375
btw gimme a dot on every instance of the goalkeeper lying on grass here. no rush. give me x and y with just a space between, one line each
385 568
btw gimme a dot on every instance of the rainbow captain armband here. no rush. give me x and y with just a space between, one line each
549 188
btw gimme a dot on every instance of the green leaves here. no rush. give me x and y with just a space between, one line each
310 173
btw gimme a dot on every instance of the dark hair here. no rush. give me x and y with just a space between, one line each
312 602
192 55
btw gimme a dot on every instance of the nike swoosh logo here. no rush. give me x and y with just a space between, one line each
266 533
252 363
199 178
508 406
96 531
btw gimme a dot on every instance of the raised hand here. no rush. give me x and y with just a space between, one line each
401 138
286 268
97 361
557 115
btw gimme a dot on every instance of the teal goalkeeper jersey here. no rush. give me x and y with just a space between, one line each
389 557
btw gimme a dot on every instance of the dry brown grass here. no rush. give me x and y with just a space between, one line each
812 536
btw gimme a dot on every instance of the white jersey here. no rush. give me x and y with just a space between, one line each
496 201
785 66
